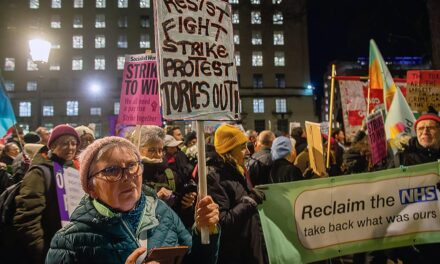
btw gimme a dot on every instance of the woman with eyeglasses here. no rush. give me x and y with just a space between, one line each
119 217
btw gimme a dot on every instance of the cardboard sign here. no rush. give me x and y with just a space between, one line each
423 90
139 103
316 150
376 137
308 221
198 76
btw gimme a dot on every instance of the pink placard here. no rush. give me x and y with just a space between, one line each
377 137
139 103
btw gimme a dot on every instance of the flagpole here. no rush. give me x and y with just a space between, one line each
201 160
330 118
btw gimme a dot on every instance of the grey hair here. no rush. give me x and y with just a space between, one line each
149 134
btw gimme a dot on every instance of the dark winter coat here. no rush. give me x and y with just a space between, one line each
414 154
259 165
242 238
284 171
98 235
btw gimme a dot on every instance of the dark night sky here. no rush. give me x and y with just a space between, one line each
341 30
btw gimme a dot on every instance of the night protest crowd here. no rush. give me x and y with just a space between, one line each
141 191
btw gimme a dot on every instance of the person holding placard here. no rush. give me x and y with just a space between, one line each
119 217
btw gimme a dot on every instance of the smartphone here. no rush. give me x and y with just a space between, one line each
167 255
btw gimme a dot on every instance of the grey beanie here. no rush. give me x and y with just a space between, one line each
281 146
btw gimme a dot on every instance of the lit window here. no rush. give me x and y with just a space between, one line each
279 59
77 42
255 17
100 21
31 65
25 109
9 86
49 126
280 105
257 58
122 3
255 2
31 86
144 3
99 63
78 3
235 17
54 65
276 2
99 41
122 41
236 37
145 22
278 38
78 21
257 81
34 4
256 38
100 3
259 105
47 110
237 58
77 63
120 62
144 42
280 80
72 108
25 127
9 64
56 3
278 18
55 22
233 1
116 106
95 111
123 22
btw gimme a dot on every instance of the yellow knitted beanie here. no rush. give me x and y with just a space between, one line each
227 137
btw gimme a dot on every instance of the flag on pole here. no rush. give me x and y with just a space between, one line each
7 117
400 119
379 75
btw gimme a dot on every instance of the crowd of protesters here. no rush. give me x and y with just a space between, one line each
141 190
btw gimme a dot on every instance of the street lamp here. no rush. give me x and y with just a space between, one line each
39 51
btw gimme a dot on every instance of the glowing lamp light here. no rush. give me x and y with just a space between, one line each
95 88
40 50
309 86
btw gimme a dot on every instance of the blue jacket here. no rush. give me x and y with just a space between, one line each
96 235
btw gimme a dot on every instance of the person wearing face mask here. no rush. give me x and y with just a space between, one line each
37 215
242 239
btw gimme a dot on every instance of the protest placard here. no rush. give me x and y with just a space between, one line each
316 150
198 77
423 90
292 125
376 137
139 103
312 220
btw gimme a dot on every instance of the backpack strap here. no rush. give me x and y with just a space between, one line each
46 173
170 177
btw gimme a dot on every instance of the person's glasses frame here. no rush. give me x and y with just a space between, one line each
428 128
116 173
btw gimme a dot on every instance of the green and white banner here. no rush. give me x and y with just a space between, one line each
311 220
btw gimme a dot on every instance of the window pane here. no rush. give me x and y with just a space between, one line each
236 37
123 22
257 81
280 80
233 1
9 86
77 42
72 108
99 41
78 21
56 3
280 105
55 22
116 106
31 86
144 3
9 64
276 1
255 2
278 38
256 38
25 109
235 17
99 63
100 3
258 105
237 58
278 18
145 21
120 62
257 58
54 65
122 3
255 17
100 21
144 41
31 66
48 110
95 111
279 58
78 3
122 42
34 4
77 63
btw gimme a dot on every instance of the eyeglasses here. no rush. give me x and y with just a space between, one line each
428 128
115 173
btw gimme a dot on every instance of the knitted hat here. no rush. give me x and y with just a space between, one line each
281 147
170 141
82 130
433 117
62 130
227 137
88 155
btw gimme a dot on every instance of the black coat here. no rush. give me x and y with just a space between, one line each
242 237
414 154
259 166
284 171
